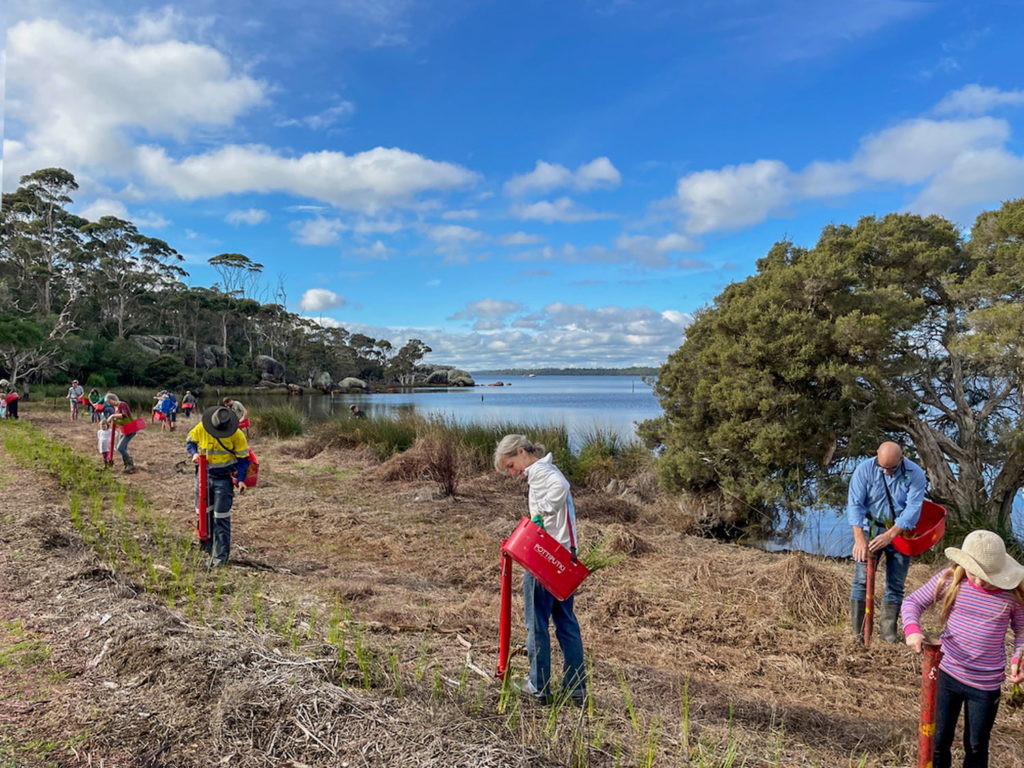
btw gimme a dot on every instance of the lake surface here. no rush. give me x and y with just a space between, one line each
579 403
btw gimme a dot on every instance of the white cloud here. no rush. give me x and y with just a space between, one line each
487 309
935 153
376 251
453 233
250 216
107 207
545 177
734 196
563 209
520 238
676 243
325 322
323 119
318 231
81 97
319 299
368 181
99 105
913 151
653 251
974 178
101 207
977 100
597 174
465 214
573 335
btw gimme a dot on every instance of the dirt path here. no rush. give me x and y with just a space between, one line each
757 641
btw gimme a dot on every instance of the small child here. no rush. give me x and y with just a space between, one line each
982 596
103 437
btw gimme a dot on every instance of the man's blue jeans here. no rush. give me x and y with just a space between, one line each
220 490
540 606
979 715
896 566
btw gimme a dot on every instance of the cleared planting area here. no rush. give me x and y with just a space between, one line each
358 625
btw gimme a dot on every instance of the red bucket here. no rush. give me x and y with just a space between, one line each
549 562
252 474
930 528
133 426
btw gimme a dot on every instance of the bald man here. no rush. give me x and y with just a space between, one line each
884 500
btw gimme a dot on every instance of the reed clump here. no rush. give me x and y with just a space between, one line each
280 421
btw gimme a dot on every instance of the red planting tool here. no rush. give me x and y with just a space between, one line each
202 506
931 655
869 598
505 618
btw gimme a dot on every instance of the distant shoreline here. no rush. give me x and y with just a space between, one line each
638 371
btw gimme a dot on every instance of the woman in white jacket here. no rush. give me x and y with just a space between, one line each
551 507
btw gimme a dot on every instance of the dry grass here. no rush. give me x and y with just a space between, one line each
756 639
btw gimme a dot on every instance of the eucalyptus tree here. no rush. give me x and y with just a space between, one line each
896 328
128 265
41 284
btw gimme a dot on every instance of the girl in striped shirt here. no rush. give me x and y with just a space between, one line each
981 597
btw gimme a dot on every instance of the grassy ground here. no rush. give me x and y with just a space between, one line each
359 623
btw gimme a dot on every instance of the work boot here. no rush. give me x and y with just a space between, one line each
890 620
857 619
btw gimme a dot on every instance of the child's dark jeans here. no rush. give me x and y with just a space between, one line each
979 715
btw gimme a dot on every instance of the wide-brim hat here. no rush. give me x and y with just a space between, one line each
219 421
984 555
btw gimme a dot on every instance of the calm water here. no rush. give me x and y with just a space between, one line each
580 403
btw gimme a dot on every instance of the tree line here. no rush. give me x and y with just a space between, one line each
901 327
103 298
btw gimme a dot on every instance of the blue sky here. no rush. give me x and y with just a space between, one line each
516 183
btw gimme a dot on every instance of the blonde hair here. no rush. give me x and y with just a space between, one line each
948 587
509 445
111 398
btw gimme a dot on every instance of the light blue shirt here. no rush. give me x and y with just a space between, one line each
867 495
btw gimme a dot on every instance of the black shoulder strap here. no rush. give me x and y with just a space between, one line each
888 498
236 452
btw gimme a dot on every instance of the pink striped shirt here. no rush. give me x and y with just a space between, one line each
973 642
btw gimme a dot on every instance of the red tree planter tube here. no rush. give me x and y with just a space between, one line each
505 617
931 655
555 567
202 506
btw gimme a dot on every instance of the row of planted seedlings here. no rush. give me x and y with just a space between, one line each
124 531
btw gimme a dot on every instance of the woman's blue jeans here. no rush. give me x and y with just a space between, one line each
979 716
540 606
896 566
122 448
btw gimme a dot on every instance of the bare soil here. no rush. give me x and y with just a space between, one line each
753 646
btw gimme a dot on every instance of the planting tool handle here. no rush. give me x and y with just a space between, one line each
869 587
505 617
931 655
202 505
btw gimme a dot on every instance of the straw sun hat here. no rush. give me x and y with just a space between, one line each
984 555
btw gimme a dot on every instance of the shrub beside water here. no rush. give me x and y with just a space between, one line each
279 421
384 436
